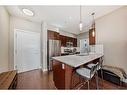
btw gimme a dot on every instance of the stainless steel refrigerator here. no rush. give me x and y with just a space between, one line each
54 49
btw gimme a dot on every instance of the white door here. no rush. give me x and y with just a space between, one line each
27 50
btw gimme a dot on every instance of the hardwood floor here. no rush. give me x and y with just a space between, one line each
37 79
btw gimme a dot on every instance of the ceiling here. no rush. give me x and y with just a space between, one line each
64 17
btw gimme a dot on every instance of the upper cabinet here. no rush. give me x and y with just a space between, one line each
53 35
92 37
65 39
75 42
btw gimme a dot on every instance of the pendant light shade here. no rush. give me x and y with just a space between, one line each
80 23
80 26
93 26
93 33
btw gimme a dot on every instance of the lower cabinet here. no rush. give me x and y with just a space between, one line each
58 75
64 76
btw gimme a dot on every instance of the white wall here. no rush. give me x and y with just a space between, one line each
84 35
4 34
18 23
111 30
51 27
44 45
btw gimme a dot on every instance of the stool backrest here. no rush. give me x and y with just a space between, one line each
100 63
94 69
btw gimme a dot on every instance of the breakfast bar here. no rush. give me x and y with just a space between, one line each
64 67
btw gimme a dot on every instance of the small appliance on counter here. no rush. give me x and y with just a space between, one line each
68 51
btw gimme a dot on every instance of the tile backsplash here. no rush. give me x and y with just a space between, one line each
97 48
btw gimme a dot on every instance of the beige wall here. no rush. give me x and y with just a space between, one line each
4 34
18 23
111 30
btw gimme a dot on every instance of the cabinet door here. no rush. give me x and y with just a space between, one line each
71 39
56 36
67 39
58 75
92 40
63 40
60 38
50 34
53 35
74 42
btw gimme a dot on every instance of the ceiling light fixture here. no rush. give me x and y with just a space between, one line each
80 23
27 12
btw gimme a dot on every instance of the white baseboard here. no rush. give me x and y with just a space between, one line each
44 70
3 69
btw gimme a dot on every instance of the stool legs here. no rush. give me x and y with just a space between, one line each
102 77
97 80
88 85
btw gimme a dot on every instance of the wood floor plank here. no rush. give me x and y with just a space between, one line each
37 79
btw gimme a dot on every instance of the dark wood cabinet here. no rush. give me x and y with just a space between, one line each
64 76
75 42
58 70
53 35
92 40
65 39
56 35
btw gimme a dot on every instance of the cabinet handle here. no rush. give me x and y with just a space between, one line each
62 66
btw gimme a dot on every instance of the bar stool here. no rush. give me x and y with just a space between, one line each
98 68
87 74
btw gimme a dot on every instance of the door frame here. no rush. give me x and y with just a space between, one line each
15 48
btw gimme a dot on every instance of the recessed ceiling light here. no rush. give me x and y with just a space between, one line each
27 12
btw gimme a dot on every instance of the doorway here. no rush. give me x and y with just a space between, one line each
27 54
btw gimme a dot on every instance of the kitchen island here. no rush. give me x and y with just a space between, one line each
64 67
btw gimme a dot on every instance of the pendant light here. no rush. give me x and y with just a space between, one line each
93 26
80 23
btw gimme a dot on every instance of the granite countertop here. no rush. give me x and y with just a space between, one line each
76 60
